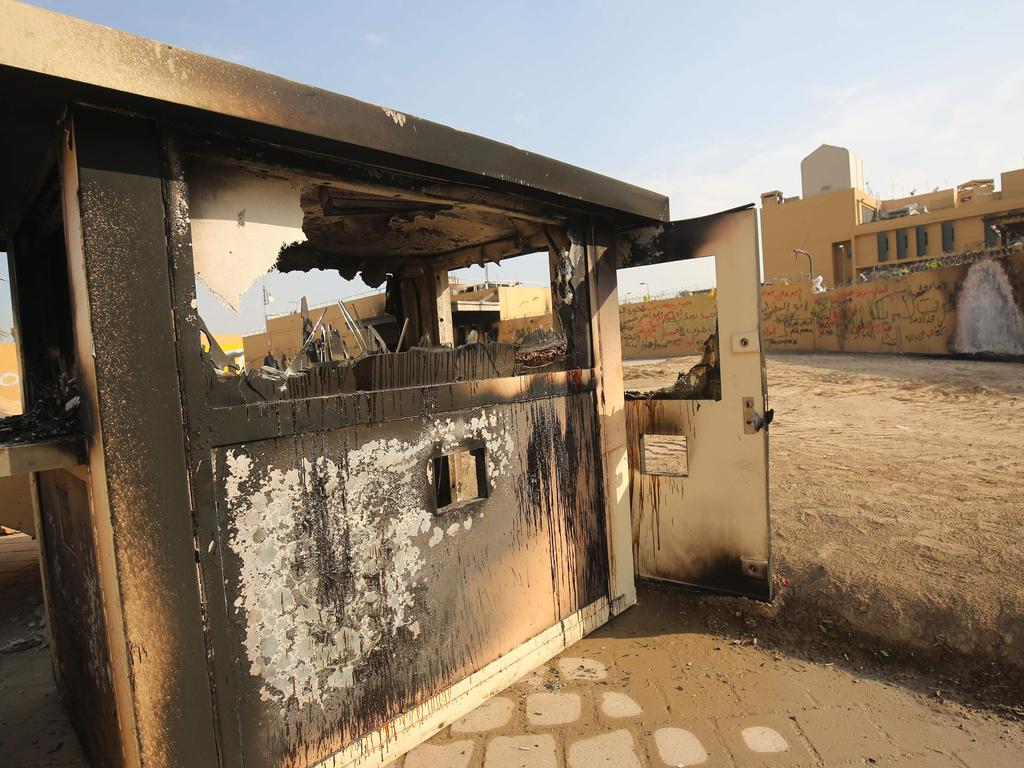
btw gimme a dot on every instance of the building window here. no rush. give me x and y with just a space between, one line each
902 242
922 240
948 237
867 214
883 246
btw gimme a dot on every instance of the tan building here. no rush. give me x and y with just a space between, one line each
838 230
10 380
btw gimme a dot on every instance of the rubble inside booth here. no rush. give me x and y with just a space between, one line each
382 357
702 382
406 235
54 414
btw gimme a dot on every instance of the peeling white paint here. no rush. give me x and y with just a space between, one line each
398 117
298 645
240 221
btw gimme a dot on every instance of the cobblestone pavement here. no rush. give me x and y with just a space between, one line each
650 689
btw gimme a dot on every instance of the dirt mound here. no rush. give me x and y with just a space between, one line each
897 490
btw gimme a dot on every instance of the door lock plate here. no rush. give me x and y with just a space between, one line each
749 417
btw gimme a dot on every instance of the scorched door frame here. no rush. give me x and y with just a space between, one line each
708 527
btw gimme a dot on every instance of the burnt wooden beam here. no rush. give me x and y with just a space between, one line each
57 453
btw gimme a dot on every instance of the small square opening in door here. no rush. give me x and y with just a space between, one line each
458 477
664 455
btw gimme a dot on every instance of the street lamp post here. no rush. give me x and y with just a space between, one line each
810 262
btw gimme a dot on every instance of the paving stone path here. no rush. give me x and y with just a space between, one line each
637 693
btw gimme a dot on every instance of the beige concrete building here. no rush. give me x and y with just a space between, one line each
829 168
838 230
10 380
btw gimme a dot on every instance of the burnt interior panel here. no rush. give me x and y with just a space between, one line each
77 623
352 597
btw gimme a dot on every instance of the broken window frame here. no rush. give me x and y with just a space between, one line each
425 286
454 499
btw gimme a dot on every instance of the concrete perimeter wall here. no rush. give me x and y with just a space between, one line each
667 327
968 309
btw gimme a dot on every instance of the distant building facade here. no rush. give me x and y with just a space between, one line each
838 230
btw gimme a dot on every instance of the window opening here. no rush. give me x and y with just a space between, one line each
40 401
922 240
10 369
902 243
458 477
948 236
670 342
451 290
664 455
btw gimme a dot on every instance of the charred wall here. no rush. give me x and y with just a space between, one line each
352 598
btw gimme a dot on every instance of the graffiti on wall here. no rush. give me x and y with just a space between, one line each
877 317
973 308
668 327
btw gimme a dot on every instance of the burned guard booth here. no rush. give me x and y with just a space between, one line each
328 565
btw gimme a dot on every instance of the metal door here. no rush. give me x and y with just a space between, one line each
699 466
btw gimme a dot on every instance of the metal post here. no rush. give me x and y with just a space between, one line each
810 261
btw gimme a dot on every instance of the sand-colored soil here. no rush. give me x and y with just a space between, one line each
897 492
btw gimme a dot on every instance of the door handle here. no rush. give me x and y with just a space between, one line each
763 421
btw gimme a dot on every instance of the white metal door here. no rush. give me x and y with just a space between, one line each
699 467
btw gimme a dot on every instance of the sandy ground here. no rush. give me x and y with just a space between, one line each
897 493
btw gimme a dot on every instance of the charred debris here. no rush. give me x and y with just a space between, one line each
404 233
702 382
53 415
382 358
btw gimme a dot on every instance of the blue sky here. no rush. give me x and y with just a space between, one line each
709 103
